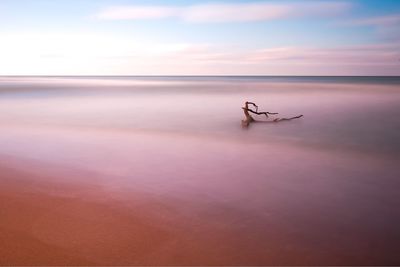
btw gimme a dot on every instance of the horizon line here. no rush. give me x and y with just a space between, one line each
200 75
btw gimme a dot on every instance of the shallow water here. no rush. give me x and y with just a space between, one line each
340 113
322 189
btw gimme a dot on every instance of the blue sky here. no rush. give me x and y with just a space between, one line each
89 37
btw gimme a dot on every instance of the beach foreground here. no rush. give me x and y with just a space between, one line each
132 178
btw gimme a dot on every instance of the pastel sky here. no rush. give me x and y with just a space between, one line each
128 37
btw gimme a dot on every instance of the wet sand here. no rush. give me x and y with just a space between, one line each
327 209
50 223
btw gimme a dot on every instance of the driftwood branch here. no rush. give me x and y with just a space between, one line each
250 119
261 113
287 119
251 103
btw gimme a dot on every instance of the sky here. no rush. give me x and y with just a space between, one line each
128 37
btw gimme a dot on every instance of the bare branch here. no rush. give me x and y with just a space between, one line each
287 119
261 113
249 118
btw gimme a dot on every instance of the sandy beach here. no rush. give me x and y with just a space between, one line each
87 190
313 213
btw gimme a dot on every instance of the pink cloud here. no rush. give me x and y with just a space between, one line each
256 11
371 55
136 12
365 54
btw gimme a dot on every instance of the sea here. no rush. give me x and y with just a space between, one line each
349 113
321 189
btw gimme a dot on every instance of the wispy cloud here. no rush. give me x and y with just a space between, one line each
377 54
82 53
214 12
379 21
350 55
137 12
387 27
378 59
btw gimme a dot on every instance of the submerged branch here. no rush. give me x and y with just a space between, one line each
287 119
260 113
249 118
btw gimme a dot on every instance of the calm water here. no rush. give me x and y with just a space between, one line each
325 186
360 113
